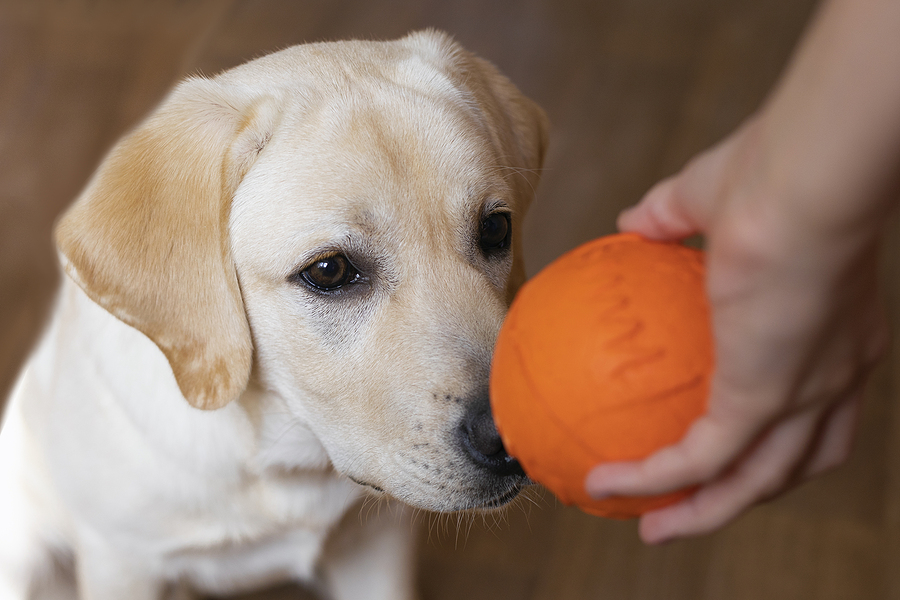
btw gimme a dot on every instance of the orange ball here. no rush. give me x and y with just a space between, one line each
604 356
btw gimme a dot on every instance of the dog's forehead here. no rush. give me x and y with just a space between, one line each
375 159
377 114
414 147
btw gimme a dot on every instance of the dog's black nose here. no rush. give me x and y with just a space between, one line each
484 445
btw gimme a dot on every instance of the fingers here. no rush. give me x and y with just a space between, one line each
798 448
732 478
712 443
768 469
659 215
684 204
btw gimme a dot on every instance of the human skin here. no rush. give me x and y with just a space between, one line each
792 206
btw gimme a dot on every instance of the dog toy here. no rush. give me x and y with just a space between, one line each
605 355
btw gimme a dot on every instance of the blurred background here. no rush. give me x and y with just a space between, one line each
633 89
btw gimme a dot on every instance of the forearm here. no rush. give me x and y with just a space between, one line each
830 133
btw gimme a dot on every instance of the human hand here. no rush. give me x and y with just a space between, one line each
797 327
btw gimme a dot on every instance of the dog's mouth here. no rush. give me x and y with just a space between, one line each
499 498
493 502
371 486
504 498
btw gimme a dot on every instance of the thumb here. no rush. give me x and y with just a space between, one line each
660 215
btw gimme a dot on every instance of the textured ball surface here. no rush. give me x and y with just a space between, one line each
605 355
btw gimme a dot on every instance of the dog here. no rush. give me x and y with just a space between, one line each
281 296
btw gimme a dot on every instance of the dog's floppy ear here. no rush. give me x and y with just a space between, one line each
148 238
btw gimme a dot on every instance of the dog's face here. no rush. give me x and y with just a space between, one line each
373 245
373 198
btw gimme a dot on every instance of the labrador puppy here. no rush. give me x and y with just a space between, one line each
282 292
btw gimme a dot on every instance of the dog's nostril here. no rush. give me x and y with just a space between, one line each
485 446
483 435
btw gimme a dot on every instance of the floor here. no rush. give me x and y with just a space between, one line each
633 88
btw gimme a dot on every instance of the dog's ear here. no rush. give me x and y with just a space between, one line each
148 238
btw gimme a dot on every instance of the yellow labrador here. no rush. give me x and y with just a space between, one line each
282 294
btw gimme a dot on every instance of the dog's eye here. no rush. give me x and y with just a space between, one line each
330 273
495 232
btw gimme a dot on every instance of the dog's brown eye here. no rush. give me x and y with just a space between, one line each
495 232
330 273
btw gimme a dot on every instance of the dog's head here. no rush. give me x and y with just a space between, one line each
341 220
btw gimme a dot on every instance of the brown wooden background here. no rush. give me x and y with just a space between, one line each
633 88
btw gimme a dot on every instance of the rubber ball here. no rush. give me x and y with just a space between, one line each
605 355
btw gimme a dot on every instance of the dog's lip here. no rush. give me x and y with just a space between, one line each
504 498
365 483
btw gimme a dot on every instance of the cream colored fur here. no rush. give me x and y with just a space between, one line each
198 416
